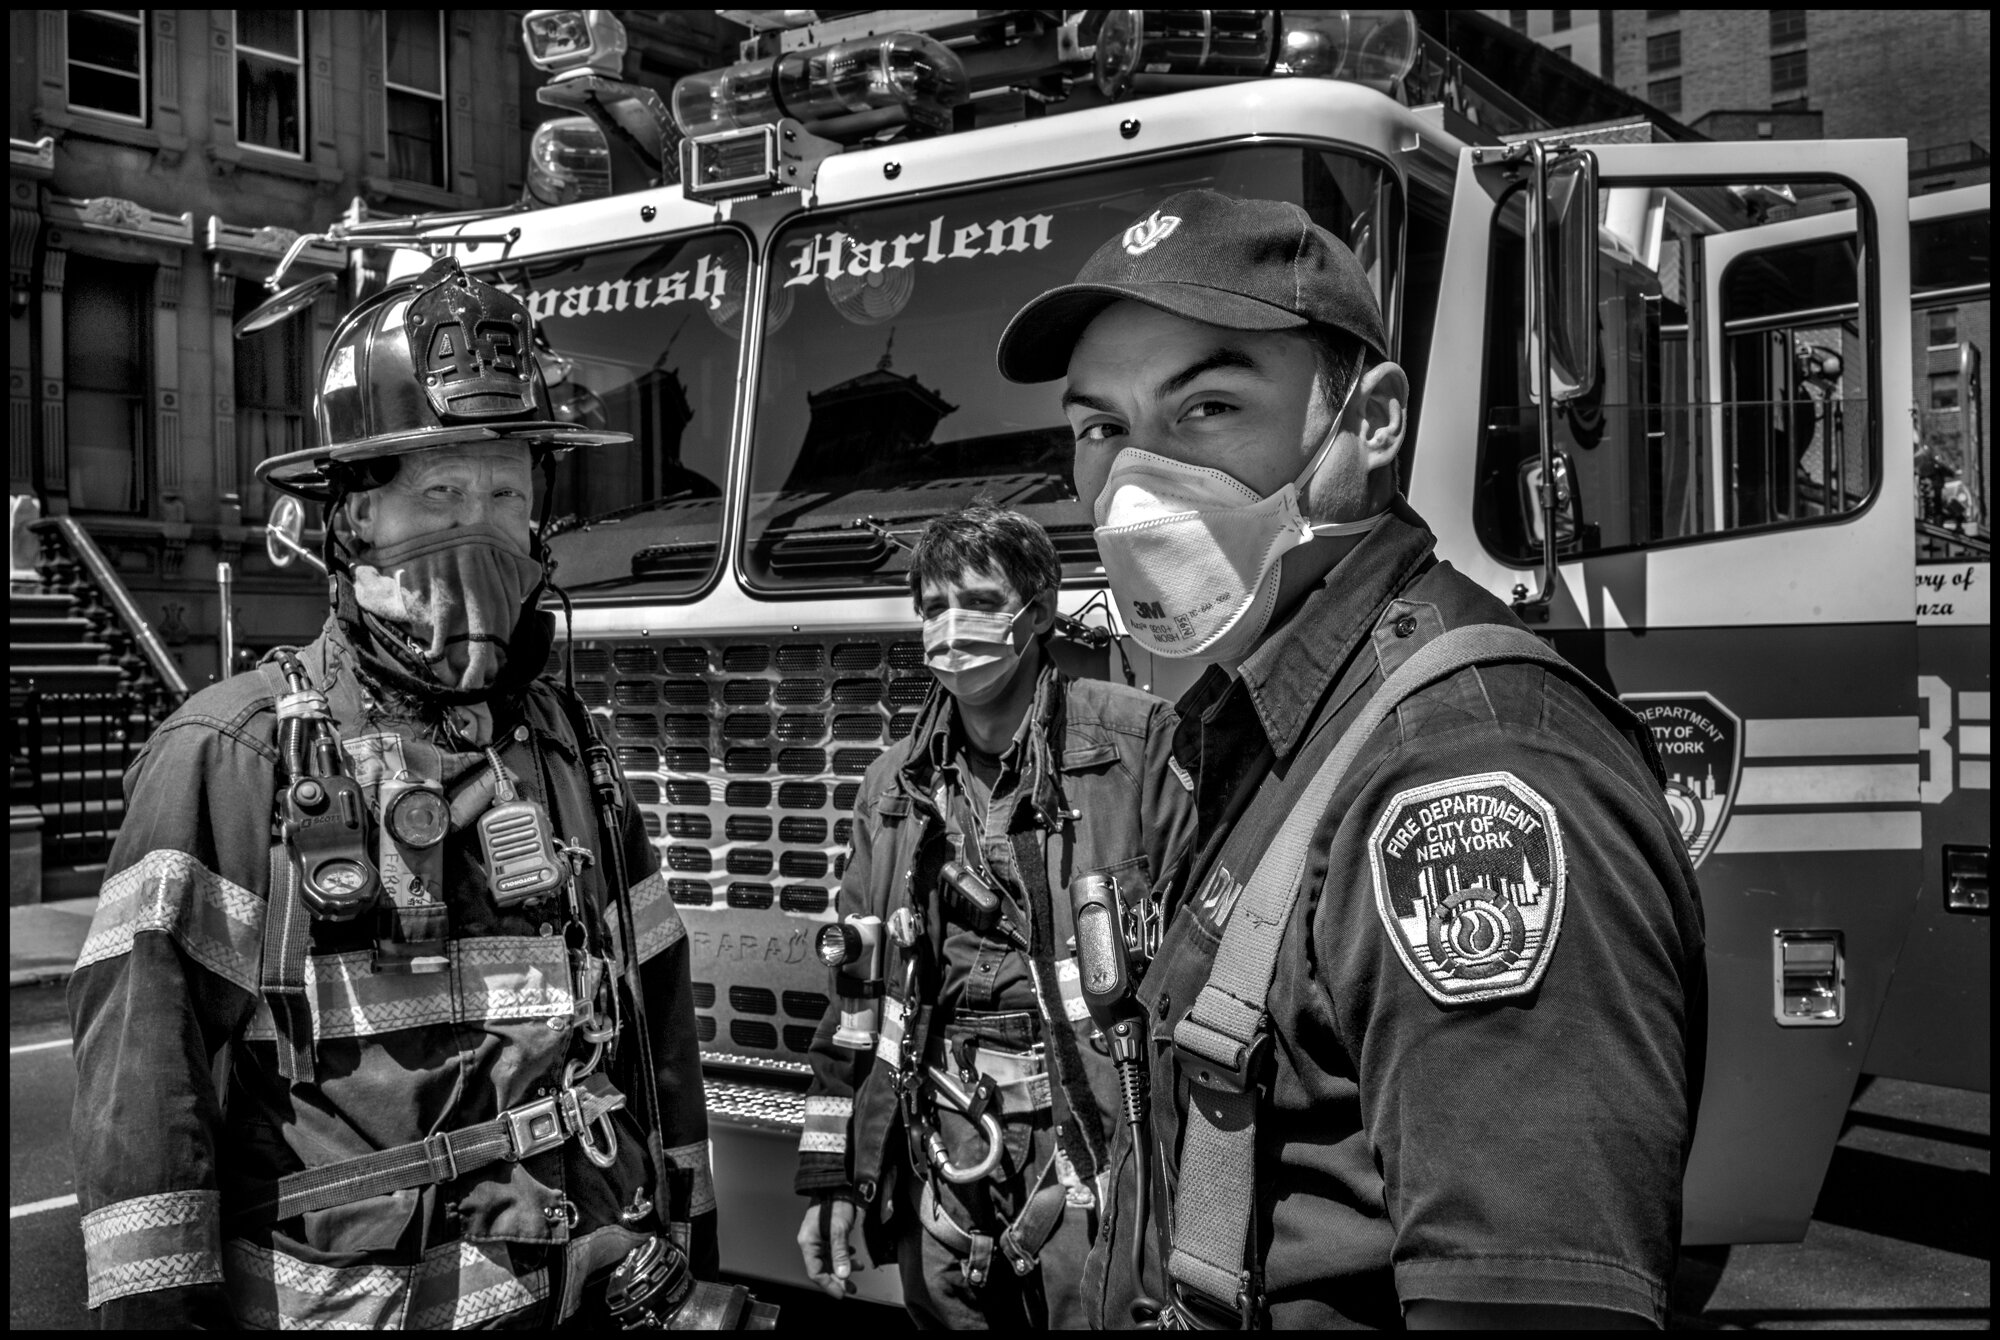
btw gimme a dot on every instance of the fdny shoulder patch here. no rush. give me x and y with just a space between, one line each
1469 877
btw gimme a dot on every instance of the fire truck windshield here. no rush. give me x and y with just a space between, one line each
641 339
878 402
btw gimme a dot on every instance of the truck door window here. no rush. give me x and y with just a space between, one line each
1735 390
878 402
1951 278
641 340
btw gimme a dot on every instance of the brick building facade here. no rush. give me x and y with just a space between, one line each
1916 74
160 161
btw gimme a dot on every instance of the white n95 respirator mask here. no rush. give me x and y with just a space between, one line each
971 650
1192 553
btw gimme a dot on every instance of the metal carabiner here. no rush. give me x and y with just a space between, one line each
605 1156
989 1126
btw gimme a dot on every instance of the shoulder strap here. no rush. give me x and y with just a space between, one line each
287 929
1221 1040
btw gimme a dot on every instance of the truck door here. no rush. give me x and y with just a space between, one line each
1732 513
1937 1024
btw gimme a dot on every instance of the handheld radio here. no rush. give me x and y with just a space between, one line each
322 816
853 948
518 843
977 901
1104 969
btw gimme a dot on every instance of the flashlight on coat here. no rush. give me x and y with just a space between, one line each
853 949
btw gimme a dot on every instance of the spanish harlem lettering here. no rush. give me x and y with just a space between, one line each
706 282
1469 884
835 254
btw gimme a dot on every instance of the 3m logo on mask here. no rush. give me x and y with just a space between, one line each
468 340
1149 232
1149 609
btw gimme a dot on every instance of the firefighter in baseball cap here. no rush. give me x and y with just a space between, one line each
1411 966
385 1018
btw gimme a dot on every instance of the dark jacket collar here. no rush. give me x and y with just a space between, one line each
1287 677
1037 742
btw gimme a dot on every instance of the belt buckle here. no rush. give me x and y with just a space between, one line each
533 1128
1192 1310
1237 1075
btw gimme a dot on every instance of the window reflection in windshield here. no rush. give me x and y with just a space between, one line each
879 404
640 340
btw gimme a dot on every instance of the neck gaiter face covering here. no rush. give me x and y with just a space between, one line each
451 599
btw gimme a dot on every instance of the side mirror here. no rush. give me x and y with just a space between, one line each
1564 286
285 304
283 532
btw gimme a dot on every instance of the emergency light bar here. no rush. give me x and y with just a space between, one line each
847 89
1368 46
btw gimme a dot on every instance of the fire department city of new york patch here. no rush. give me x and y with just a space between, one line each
1469 877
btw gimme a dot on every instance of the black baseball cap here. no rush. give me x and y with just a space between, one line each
1237 264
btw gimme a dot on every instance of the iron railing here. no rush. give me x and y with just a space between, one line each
75 747
136 648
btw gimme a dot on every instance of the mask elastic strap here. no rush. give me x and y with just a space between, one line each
1333 529
1333 431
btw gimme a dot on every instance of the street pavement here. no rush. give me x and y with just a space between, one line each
1901 1238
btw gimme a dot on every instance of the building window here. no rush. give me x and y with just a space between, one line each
1663 50
107 62
1559 20
1665 94
271 392
1788 71
270 54
1944 391
1788 25
414 58
1944 328
106 310
1517 19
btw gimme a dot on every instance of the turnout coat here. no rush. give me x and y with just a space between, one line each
184 1120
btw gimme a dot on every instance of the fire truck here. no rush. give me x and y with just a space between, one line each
1663 405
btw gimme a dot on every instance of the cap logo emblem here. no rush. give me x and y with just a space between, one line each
1149 232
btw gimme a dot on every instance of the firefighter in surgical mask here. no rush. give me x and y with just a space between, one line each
384 1020
961 1104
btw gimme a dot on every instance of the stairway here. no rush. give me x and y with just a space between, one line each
75 726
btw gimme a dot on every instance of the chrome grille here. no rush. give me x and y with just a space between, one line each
745 760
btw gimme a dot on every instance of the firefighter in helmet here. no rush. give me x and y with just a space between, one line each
384 1019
